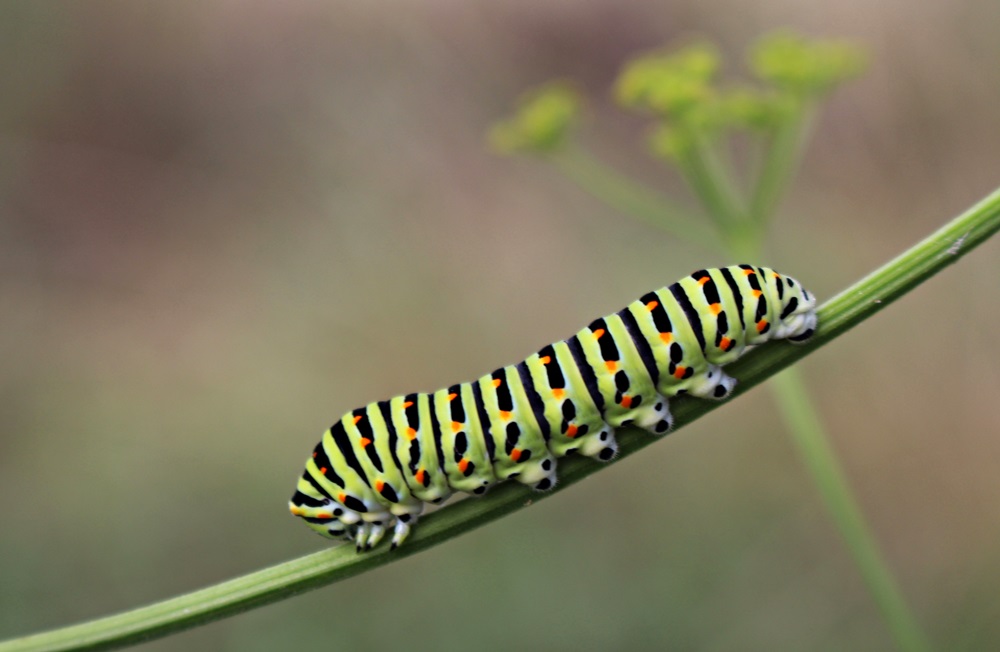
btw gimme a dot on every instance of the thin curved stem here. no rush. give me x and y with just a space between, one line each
846 310
814 447
861 300
712 181
632 198
780 162
805 426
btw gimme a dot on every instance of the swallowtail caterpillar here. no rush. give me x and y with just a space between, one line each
376 467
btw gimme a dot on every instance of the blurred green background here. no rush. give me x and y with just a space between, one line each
224 223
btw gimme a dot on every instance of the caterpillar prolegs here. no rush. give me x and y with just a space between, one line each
375 468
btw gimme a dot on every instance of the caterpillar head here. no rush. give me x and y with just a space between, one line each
797 318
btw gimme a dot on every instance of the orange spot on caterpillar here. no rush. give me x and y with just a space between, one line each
546 359
315 454
455 426
341 498
775 274
679 373
558 393
599 333
652 305
715 308
324 515
378 485
452 397
419 477
626 401
761 325
365 442
322 470
703 280
515 454
756 293
572 430
411 434
295 510
356 419
407 404
611 365
724 344
497 382
505 415
667 337
463 464
749 272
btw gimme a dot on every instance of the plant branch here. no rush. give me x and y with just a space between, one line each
846 310
632 198
712 182
781 161
814 447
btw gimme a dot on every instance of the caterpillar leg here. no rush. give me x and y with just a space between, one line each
600 445
406 514
404 524
583 431
540 475
361 535
399 519
645 408
655 416
375 535
367 534
713 383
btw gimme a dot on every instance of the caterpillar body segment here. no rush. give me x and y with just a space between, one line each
375 469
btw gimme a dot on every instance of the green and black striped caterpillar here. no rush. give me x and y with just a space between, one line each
378 465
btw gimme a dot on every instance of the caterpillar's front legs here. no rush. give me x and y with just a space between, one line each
367 534
402 529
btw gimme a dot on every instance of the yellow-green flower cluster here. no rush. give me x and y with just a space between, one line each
802 66
755 108
542 121
670 142
680 89
670 84
677 87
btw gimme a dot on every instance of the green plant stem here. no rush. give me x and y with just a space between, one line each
805 426
780 162
844 311
744 241
821 460
632 198
712 182
868 296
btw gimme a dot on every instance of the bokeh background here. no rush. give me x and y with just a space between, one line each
224 223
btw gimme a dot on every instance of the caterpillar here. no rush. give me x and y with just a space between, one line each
376 468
